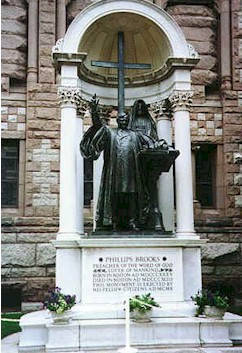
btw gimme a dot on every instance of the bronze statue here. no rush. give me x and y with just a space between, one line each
128 193
121 197
141 119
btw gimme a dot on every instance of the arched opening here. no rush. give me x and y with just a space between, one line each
151 36
144 42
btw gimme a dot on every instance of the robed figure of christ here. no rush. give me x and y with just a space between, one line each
123 195
141 119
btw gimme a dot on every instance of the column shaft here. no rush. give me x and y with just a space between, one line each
225 43
61 18
68 185
33 40
165 182
181 101
183 172
79 176
71 166
68 258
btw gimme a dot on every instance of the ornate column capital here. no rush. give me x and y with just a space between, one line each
69 95
162 109
181 100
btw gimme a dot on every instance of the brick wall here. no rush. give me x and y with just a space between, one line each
199 24
13 118
42 152
232 120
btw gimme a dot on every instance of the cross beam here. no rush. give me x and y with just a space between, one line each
120 66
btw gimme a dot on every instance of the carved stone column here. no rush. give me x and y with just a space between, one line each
181 101
68 258
162 112
32 71
71 165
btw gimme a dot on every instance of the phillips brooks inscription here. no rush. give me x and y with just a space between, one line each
137 273
118 272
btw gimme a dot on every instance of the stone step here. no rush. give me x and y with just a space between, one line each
10 345
161 335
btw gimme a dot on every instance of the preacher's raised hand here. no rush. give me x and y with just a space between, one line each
95 110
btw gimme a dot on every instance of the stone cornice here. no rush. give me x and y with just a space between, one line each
59 58
130 243
141 80
181 100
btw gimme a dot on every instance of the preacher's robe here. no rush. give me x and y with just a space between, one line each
121 171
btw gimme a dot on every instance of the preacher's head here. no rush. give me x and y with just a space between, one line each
123 120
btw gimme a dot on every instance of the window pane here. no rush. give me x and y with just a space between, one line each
10 172
205 175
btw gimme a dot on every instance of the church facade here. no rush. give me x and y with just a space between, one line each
31 130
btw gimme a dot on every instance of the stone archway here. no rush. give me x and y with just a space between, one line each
175 77
173 83
165 80
141 7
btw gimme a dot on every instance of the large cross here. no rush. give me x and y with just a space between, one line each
120 66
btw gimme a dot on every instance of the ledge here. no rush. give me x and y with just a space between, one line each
150 78
146 79
129 243
59 59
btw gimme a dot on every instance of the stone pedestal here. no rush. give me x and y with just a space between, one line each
112 269
107 271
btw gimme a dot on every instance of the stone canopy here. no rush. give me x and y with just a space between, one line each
148 39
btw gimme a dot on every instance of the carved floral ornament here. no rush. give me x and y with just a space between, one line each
161 109
69 95
178 100
181 100
72 95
